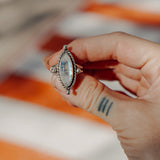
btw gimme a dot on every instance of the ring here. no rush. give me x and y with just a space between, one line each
66 69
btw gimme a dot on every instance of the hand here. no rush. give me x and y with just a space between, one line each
137 67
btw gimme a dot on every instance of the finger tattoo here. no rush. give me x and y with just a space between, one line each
105 106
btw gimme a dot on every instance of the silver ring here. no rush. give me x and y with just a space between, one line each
66 69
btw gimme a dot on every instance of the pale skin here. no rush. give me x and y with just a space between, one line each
135 120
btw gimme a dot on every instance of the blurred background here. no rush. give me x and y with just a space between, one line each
35 123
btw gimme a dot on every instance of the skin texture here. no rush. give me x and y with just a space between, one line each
135 63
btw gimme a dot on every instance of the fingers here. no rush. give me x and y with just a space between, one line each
128 83
129 72
108 70
100 65
126 49
131 79
138 88
88 93
103 74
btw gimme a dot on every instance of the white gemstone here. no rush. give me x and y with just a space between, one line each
66 69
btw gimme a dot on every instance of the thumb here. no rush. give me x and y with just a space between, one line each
93 96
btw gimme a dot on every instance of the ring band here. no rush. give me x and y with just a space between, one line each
66 69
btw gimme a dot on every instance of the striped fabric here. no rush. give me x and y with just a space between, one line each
35 122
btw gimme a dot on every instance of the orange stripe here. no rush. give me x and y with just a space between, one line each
116 11
42 94
13 152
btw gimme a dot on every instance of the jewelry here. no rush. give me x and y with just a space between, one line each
66 69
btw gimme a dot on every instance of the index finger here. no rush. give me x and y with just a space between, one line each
126 49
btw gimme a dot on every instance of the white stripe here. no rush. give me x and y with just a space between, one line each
143 5
91 24
55 132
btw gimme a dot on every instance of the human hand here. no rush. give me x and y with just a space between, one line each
135 120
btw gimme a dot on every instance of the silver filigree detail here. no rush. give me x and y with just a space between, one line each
66 69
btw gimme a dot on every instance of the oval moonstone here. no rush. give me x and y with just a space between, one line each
66 70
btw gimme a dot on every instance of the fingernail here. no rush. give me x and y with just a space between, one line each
46 62
46 59
53 59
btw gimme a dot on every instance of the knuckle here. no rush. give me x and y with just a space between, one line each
91 95
121 44
77 42
119 34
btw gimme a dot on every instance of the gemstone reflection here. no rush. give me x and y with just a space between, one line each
66 70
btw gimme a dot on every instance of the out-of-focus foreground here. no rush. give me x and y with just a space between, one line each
35 123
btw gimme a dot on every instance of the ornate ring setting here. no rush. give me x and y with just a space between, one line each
66 69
